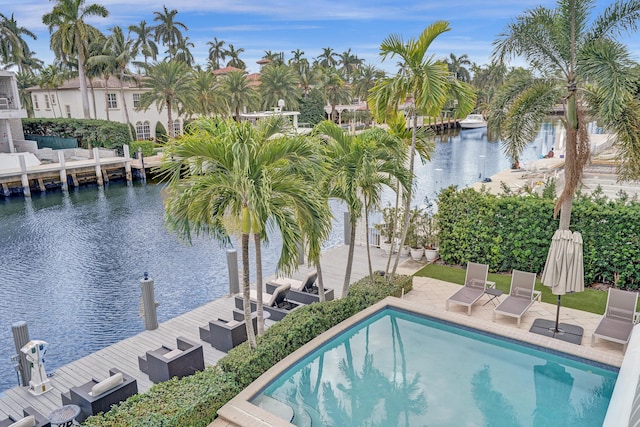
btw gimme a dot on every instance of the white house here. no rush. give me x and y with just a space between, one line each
105 103
11 114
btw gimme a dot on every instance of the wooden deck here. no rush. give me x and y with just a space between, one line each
124 354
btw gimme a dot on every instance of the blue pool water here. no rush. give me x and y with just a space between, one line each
401 369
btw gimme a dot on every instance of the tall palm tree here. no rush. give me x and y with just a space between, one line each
13 46
239 92
119 51
357 167
144 41
364 79
327 58
307 76
216 53
71 34
210 100
297 57
183 51
458 66
276 58
424 85
581 64
335 91
350 63
170 85
235 60
279 82
236 175
25 80
168 30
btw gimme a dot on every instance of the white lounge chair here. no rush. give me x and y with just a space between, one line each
619 318
304 285
475 284
521 296
274 299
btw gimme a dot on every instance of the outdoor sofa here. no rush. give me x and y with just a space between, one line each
98 396
227 334
31 418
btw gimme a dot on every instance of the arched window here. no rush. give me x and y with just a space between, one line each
177 129
143 131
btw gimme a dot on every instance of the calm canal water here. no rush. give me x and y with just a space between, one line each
71 264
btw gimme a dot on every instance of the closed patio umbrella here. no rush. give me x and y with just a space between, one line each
563 273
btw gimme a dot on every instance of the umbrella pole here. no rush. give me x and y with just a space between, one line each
557 316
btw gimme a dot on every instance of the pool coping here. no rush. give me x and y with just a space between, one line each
240 411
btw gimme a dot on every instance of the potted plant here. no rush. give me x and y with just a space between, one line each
415 238
431 238
386 228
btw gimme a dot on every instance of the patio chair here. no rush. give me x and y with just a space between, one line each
521 296
475 283
98 396
31 418
305 285
619 318
165 363
227 334
274 299
303 291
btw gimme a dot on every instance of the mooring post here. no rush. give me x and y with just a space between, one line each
63 171
232 268
149 303
127 163
143 172
96 157
20 333
24 177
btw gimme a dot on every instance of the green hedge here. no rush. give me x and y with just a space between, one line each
98 133
147 148
194 400
514 232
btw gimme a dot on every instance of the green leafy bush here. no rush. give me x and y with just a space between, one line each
514 232
194 400
190 401
97 133
147 148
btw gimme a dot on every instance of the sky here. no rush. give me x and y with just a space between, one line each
286 25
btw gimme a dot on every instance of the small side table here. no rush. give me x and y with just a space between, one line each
64 416
494 294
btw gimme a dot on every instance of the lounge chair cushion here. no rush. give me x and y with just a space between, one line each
106 385
173 353
232 323
29 421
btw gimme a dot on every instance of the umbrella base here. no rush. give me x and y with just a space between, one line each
566 332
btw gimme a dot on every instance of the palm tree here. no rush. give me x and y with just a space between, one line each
424 84
216 53
297 58
239 92
364 79
327 58
52 77
119 52
210 100
236 175
168 30
13 46
335 91
457 66
307 77
581 64
25 80
275 58
170 86
350 63
72 35
144 41
279 82
235 60
357 167
183 53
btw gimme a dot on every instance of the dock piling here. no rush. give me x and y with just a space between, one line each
149 303
20 332
96 156
63 172
232 268
24 177
127 163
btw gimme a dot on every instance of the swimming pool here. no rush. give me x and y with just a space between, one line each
400 368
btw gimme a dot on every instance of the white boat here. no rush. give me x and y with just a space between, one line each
473 121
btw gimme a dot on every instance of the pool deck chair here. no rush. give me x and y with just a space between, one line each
619 317
274 299
521 296
475 283
304 285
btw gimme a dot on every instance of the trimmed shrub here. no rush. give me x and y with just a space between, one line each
194 400
97 133
191 401
147 148
161 133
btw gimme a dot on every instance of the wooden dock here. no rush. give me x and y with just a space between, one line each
124 354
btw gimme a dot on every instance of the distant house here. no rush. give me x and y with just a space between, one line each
105 103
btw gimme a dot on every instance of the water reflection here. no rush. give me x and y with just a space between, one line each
496 409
